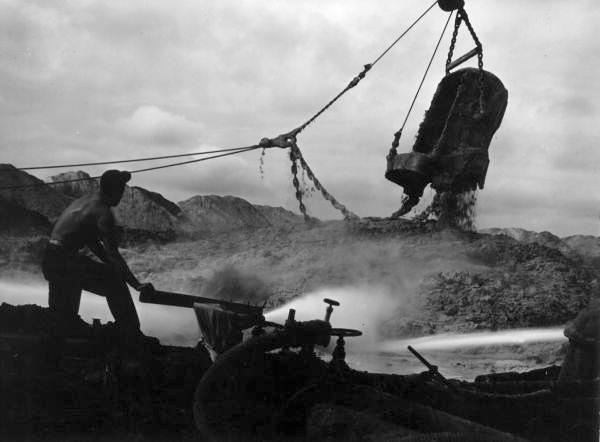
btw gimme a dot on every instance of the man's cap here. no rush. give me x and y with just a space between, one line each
113 178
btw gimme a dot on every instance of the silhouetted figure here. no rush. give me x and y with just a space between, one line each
89 222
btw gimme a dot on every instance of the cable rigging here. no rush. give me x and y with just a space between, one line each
164 166
130 160
289 139
398 134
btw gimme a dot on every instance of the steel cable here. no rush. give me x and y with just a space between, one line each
362 74
131 160
398 134
164 166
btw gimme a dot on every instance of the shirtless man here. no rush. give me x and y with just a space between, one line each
89 221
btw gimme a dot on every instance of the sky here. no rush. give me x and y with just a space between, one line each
87 80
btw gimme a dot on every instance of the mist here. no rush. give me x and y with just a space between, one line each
171 325
362 308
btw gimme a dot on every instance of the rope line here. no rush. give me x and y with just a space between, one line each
131 160
398 134
268 143
164 166
198 160
162 157
362 74
403 34
437 46
353 83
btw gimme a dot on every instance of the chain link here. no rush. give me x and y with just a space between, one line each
350 85
361 75
296 183
442 138
296 156
457 23
465 17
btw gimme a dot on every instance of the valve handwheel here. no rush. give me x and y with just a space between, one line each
329 309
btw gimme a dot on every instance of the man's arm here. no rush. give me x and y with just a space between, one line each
109 250
98 249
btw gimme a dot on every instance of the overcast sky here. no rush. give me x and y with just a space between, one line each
91 80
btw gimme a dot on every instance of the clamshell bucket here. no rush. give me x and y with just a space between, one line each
451 149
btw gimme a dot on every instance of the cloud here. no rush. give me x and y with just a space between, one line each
150 124
236 175
581 157
87 80
577 105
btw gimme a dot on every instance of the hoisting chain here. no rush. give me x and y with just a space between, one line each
465 18
296 183
296 157
442 138
460 17
289 139
457 23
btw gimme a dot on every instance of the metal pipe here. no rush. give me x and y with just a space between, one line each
433 369
181 300
460 60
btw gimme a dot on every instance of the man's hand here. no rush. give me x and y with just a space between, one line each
145 289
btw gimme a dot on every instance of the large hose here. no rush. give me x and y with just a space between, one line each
455 437
221 375
413 415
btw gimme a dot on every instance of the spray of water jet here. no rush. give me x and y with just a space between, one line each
449 341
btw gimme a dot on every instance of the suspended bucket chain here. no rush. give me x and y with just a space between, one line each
460 17
296 157
296 184
457 22
442 138
288 140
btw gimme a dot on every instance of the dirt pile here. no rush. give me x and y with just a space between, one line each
145 215
443 280
33 196
59 380
212 213
19 221
519 285
72 188
140 210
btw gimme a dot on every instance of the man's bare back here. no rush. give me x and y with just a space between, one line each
85 221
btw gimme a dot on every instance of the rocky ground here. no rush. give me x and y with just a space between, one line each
395 279
441 280
410 278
